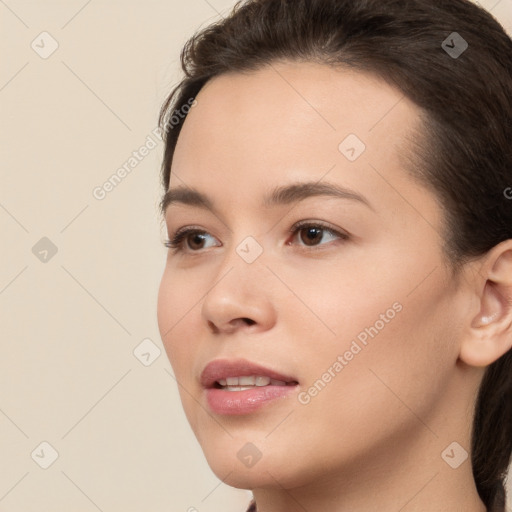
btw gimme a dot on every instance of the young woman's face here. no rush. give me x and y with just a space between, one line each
357 311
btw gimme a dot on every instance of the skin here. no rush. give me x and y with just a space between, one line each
372 438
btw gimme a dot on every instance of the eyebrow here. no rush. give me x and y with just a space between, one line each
281 195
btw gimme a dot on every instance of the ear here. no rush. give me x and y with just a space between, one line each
489 334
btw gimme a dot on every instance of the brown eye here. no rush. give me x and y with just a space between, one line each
194 240
191 240
311 234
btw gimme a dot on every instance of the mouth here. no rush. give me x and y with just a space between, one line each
239 374
241 387
249 382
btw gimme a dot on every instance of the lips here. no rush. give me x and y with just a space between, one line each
224 369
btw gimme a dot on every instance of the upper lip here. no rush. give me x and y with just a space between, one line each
224 368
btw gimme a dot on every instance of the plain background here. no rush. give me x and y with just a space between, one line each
72 320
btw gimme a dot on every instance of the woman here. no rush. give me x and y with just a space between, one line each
337 298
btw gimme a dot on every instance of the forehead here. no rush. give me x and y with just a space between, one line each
287 103
331 99
290 121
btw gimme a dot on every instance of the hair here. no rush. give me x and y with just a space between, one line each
463 151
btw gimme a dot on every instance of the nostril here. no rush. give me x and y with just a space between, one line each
248 321
213 327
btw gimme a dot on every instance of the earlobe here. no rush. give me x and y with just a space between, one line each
489 334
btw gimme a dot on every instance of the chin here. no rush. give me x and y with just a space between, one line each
231 462
246 479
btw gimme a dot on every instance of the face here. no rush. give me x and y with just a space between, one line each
354 309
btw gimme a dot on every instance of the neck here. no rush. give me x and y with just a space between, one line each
427 484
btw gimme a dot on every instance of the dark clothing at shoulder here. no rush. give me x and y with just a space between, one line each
252 507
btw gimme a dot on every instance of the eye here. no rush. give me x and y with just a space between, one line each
313 232
177 242
192 239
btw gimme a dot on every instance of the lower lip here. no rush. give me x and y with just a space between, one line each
221 401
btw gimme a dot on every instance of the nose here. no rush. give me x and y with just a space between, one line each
230 326
240 297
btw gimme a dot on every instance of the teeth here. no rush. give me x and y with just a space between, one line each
237 388
262 381
274 382
248 381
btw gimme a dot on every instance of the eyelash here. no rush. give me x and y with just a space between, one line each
176 242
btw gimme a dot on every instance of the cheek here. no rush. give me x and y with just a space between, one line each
330 305
176 307
375 400
175 304
396 348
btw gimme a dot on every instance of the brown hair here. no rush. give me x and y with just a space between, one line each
463 152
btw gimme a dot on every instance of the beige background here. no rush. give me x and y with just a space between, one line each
70 323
